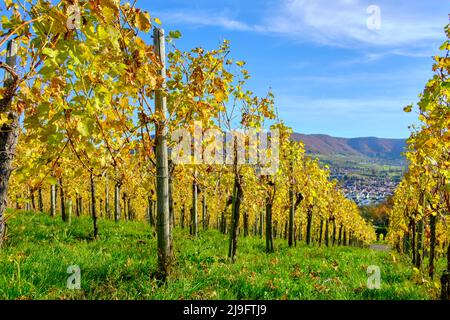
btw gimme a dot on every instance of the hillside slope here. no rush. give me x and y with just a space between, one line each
366 147
122 262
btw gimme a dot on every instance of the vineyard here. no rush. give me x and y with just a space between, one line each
96 101
418 225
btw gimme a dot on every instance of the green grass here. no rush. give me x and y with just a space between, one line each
120 265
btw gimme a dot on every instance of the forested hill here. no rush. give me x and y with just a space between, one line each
366 147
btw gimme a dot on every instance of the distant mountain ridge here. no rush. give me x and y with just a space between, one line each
366 147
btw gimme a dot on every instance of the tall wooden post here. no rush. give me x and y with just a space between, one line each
63 200
53 200
69 209
261 223
291 215
291 205
162 170
432 245
40 200
204 212
268 221
194 212
308 225
171 204
107 210
94 209
117 202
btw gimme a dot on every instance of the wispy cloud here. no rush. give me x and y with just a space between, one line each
374 56
344 23
207 18
330 72
340 23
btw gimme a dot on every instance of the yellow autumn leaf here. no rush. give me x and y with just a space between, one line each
83 129
4 119
219 95
143 21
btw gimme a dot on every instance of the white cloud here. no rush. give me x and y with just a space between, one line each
378 55
340 23
206 18
344 23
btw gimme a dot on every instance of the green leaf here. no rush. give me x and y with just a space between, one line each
52 180
83 129
46 71
445 46
5 22
175 34
49 52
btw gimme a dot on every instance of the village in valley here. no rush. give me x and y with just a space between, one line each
369 191
366 181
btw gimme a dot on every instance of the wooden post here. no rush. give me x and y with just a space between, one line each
171 212
63 200
334 232
125 209
261 223
268 221
93 209
81 206
419 240
53 200
107 212
432 245
291 216
300 231
117 202
246 233
445 279
309 225
69 210
204 221
320 232
77 205
40 200
194 212
162 170
235 211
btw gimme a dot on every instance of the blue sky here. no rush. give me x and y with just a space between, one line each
329 72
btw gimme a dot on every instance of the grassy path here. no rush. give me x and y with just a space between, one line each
39 250
380 247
